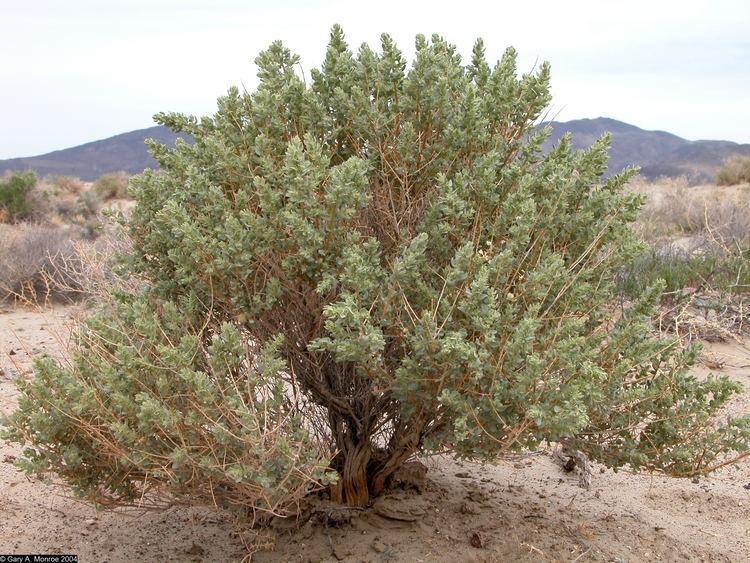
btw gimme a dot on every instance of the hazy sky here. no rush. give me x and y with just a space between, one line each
75 71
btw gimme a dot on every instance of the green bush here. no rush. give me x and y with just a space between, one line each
14 190
346 273
736 170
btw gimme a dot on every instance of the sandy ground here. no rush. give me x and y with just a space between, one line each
522 509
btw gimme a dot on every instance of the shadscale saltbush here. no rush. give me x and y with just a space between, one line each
340 274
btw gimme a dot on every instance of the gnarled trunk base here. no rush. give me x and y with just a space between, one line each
363 474
352 487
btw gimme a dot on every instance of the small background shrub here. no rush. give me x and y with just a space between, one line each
90 202
736 170
65 184
53 205
33 262
111 186
39 263
14 191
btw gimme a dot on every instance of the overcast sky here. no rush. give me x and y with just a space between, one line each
80 70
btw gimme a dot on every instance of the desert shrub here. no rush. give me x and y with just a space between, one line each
111 186
342 274
736 170
90 202
65 184
14 190
60 200
50 204
36 262
39 262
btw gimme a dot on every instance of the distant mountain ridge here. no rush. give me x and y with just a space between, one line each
658 153
126 152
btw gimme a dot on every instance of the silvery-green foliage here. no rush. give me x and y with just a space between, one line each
419 275
152 402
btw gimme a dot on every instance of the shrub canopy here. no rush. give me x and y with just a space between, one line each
14 190
348 272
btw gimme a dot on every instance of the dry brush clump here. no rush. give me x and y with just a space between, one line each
59 202
736 170
705 316
111 186
42 262
673 209
33 262
65 184
350 272
60 246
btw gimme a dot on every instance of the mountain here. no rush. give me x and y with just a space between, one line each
122 152
657 153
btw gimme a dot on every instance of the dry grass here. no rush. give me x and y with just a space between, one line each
704 316
673 210
700 246
93 267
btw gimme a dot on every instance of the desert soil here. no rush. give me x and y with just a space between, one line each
522 509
